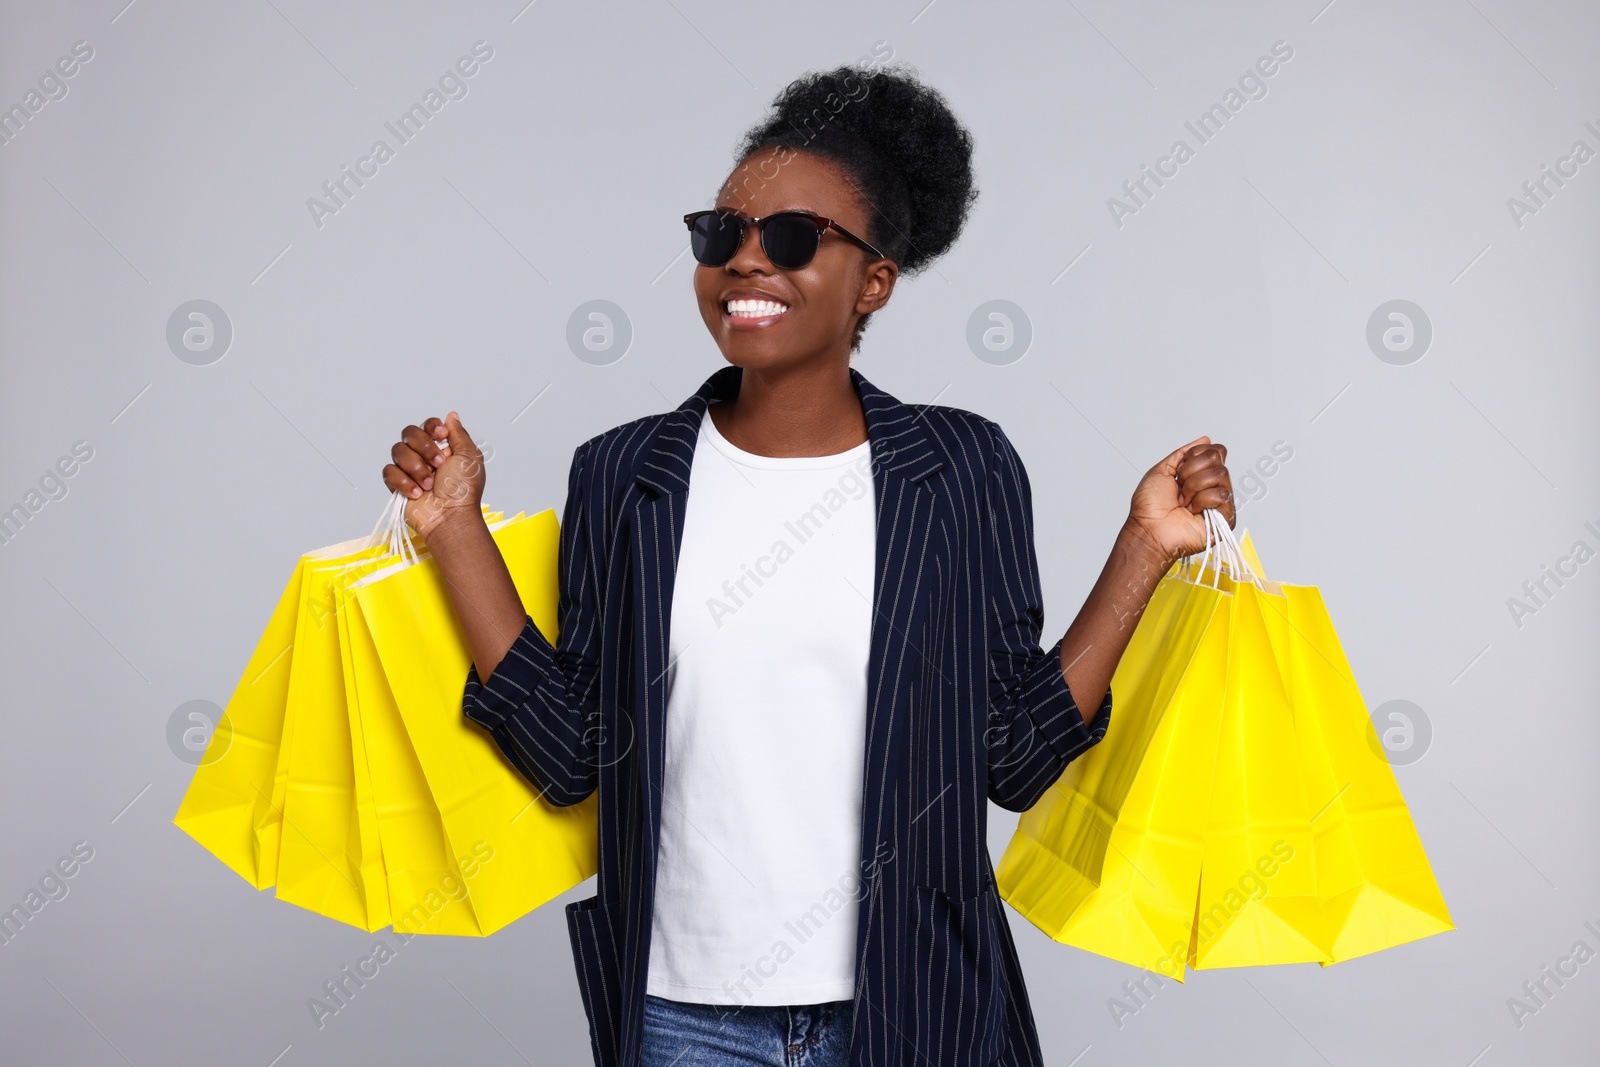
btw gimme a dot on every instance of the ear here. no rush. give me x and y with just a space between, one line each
877 286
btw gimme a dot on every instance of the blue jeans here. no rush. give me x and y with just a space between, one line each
679 1034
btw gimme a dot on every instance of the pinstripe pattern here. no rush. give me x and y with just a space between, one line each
963 707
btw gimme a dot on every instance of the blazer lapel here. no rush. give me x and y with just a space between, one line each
904 457
657 528
909 511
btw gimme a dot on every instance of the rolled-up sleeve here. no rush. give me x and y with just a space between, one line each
1035 727
541 703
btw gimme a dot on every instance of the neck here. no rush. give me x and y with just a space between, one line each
809 410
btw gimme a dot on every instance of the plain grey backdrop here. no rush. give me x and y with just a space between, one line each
1402 152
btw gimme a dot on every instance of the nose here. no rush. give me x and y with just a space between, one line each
749 257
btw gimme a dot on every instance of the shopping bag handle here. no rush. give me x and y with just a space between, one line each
1219 536
392 530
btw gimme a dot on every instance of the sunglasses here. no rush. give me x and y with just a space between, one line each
789 238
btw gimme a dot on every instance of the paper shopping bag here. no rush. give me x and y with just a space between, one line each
1304 848
371 862
331 793
527 850
394 805
228 806
1372 873
1373 886
1258 902
323 864
1109 859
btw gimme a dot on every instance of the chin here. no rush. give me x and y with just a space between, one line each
744 356
754 352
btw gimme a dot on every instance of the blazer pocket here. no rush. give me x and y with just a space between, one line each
599 981
957 1006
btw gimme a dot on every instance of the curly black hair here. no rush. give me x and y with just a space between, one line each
898 143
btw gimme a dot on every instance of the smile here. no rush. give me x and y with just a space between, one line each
754 312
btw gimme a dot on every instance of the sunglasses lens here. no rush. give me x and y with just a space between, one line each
715 237
790 241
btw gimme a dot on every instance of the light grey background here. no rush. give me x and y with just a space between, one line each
1235 303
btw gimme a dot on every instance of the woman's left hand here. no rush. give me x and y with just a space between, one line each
1167 504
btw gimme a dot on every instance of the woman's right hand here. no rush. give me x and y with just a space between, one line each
440 470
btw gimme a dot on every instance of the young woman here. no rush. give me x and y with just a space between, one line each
799 647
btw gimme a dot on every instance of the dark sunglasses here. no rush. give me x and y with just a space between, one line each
789 238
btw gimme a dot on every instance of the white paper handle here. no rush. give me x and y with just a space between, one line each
392 531
1219 535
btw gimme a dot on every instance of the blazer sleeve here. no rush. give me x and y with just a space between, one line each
1035 728
541 703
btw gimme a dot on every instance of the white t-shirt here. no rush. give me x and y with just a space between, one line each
759 867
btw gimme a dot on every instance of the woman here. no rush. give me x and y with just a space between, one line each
799 645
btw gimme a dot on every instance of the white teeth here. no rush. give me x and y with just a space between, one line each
753 309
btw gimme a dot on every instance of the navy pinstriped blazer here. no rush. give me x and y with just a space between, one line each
963 707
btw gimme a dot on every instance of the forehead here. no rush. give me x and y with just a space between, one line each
787 180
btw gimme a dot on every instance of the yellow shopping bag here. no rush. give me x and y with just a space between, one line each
330 857
515 850
228 807
1258 901
248 775
1109 859
1341 869
323 863
1373 876
1253 788
394 804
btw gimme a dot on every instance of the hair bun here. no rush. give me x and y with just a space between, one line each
896 138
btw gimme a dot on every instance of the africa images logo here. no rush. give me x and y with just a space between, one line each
340 190
1252 85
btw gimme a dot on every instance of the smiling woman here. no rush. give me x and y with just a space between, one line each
870 702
